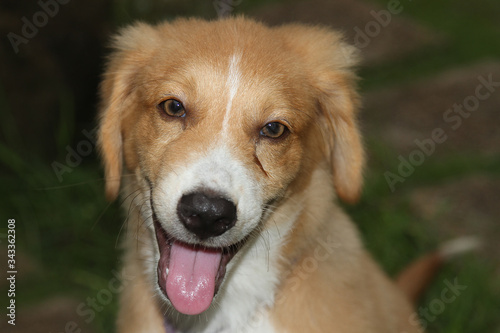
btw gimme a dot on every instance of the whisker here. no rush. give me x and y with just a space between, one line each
128 215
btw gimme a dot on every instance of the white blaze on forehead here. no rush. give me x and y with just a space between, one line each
232 84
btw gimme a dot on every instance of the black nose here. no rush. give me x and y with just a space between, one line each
206 215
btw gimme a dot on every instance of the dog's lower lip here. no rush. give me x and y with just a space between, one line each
165 242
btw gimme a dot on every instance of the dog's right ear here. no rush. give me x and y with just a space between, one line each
131 47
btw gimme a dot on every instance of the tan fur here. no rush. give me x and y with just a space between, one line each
300 73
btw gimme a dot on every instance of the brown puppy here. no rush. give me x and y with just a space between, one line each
231 141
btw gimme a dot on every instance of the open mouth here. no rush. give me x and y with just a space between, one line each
190 275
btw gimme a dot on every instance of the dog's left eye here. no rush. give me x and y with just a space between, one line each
273 130
172 108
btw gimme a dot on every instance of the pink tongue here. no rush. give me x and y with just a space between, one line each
191 278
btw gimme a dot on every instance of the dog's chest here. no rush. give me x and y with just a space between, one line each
249 292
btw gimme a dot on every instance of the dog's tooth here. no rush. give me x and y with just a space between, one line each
166 270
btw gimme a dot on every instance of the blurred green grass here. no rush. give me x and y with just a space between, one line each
392 233
70 232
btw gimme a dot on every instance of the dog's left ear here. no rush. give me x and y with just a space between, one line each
328 62
343 145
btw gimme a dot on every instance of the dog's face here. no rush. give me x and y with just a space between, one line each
219 122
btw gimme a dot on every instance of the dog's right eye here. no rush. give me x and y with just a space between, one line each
172 108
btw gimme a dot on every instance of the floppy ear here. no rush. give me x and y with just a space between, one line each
116 87
328 62
338 103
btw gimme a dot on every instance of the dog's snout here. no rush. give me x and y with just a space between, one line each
205 215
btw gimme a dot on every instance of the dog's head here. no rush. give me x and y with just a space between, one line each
218 121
